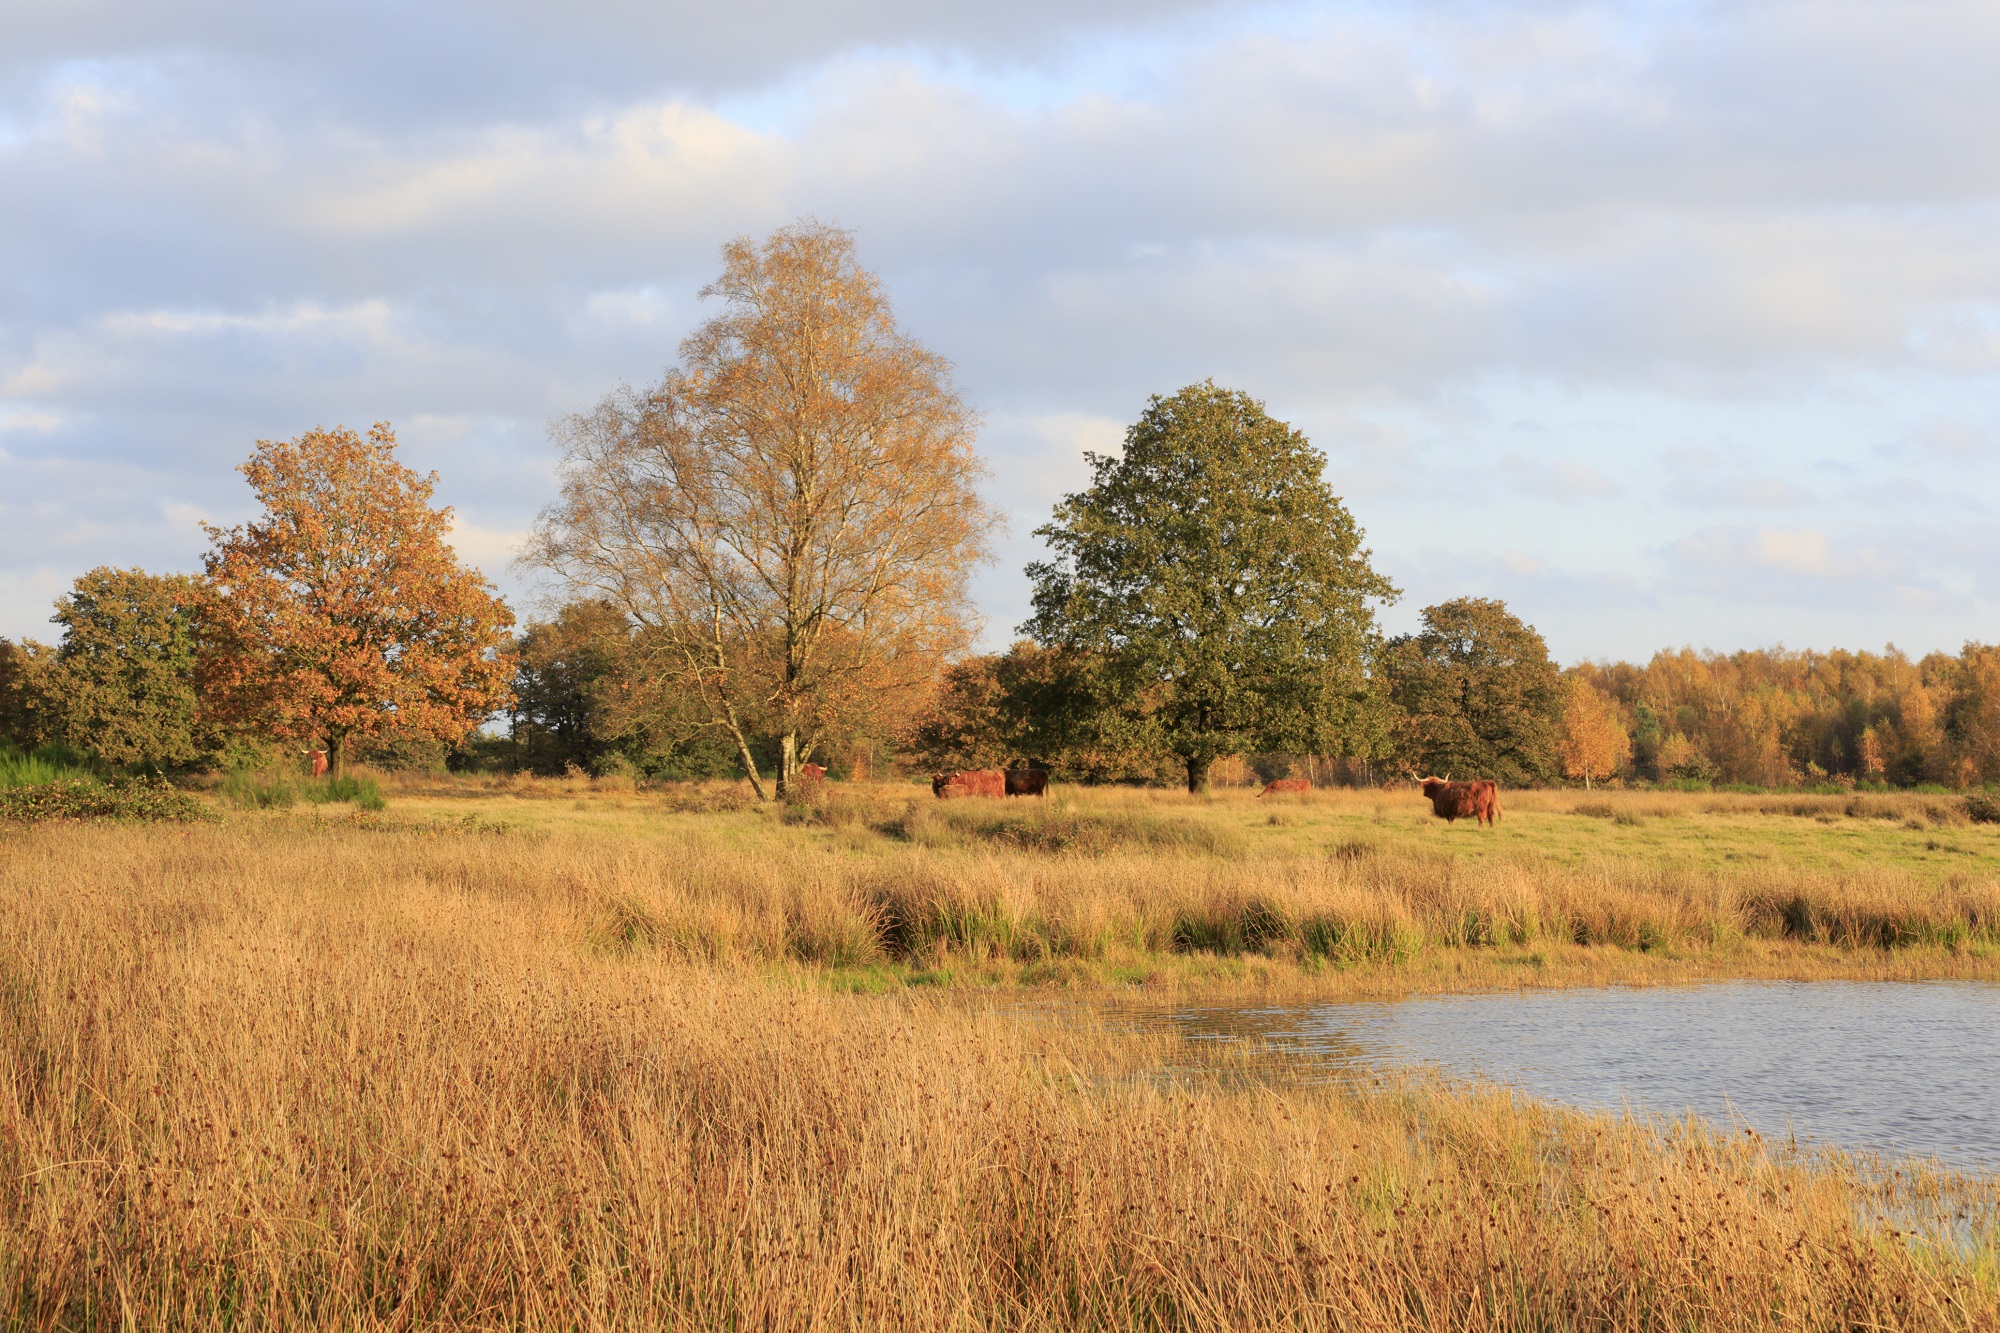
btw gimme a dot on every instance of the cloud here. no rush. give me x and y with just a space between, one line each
1789 564
1539 246
1564 479
1706 479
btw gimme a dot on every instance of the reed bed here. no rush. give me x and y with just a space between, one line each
274 1076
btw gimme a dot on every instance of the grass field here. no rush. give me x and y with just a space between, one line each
1334 892
559 1056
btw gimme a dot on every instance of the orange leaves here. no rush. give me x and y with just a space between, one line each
791 514
342 612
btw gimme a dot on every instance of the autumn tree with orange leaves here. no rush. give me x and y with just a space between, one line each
342 614
790 515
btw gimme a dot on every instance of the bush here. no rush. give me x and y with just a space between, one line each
1982 809
86 798
406 754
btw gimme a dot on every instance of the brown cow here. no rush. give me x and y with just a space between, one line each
973 782
1451 801
812 773
1027 782
318 758
1284 786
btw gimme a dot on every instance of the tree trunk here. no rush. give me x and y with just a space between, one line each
1197 774
337 743
788 763
743 753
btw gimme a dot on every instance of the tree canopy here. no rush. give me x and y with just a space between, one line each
790 515
1476 695
121 684
343 613
1593 742
1223 583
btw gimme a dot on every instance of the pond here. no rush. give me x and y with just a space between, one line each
1897 1067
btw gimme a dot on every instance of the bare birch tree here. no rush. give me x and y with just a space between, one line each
791 514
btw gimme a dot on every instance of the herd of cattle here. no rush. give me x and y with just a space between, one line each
1450 801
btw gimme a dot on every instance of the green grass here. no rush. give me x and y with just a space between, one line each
50 763
1931 836
275 789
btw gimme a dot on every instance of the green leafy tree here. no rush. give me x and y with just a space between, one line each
1222 585
563 669
1476 695
22 668
121 685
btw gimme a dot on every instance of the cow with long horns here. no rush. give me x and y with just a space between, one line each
1452 801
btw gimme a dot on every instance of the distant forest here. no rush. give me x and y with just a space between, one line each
1474 693
1775 718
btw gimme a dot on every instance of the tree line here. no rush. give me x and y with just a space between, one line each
763 559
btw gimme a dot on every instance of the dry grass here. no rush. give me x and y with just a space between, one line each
874 891
278 1075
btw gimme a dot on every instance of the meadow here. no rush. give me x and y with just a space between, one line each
1334 892
565 1054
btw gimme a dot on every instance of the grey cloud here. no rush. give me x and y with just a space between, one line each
457 62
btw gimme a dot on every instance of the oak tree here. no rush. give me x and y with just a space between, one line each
343 613
1220 585
564 668
121 684
790 515
1476 694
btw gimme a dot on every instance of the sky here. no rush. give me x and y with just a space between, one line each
1669 324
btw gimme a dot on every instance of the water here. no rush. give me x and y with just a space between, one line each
1904 1068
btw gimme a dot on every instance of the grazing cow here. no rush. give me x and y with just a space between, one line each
318 758
973 782
1283 786
1452 801
1027 782
812 774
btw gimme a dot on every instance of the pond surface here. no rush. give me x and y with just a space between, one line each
1900 1067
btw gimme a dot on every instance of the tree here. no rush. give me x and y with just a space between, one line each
23 666
121 685
563 669
961 726
792 513
343 613
1593 743
1222 582
1475 693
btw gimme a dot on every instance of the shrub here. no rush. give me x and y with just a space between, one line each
84 798
1982 809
